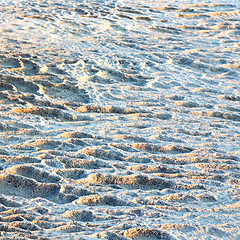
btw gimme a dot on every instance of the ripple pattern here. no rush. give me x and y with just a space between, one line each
119 119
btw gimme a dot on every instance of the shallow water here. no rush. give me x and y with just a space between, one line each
119 119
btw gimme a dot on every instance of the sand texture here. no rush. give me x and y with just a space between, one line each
120 119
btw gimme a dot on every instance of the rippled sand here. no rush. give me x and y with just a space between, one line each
119 119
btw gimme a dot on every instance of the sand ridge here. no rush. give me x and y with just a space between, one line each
119 119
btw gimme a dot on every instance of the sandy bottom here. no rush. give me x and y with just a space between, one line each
119 119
